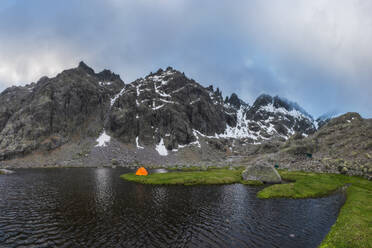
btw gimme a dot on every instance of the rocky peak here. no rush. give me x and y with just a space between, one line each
84 67
350 117
282 117
166 105
263 100
268 103
49 113
235 101
107 75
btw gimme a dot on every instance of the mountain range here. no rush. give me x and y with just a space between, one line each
80 117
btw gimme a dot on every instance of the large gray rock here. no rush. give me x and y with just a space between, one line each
5 171
261 172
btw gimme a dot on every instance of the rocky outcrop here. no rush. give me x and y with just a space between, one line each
51 112
166 105
261 171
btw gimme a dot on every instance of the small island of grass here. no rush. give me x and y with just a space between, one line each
353 227
192 177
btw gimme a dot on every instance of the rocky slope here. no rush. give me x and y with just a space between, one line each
82 116
342 145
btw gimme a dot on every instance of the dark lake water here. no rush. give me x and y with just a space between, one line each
89 207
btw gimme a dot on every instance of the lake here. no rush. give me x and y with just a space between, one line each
94 207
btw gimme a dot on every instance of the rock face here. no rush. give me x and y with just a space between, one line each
261 172
166 105
164 109
49 113
279 116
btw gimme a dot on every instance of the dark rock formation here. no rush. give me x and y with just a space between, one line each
280 116
167 105
51 112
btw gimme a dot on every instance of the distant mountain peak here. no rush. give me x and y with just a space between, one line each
278 102
235 101
85 68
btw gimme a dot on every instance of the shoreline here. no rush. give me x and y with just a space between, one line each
352 227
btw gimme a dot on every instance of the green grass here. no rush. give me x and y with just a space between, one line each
353 227
210 176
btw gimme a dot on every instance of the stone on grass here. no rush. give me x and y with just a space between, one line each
261 172
5 171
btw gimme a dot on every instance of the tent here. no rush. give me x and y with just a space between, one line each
141 171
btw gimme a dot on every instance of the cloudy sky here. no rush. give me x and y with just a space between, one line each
317 53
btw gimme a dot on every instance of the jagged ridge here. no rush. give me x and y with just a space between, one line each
165 109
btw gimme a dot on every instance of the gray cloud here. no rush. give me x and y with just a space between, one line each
314 52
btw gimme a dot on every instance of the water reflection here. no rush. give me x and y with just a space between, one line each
95 208
160 195
104 197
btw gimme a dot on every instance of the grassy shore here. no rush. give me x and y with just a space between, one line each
353 227
192 177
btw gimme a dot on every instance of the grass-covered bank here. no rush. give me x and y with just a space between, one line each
353 227
192 177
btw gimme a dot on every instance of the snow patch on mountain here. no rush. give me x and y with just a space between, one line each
162 94
161 149
161 78
104 83
241 130
137 144
113 100
295 113
297 107
103 139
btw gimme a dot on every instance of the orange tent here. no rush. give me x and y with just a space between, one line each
142 172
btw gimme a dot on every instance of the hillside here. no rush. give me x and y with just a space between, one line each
342 145
84 118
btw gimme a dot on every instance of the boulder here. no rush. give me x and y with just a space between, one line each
5 171
263 172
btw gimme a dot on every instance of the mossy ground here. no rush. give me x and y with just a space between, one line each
353 227
191 176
